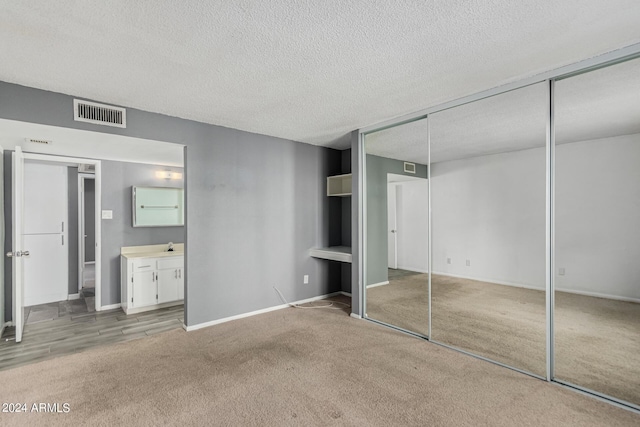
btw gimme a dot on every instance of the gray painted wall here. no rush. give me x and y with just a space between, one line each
89 220
377 169
72 230
255 205
117 180
345 222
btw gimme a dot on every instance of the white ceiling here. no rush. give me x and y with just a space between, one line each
310 71
598 104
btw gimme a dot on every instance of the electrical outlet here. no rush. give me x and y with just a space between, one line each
468 263
306 279
561 272
448 260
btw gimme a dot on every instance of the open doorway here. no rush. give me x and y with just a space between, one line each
407 217
86 241
59 207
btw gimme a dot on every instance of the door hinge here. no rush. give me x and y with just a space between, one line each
156 296
131 299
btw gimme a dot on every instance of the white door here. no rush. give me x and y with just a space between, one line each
392 226
45 230
18 251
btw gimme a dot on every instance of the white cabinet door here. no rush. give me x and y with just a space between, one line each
181 283
144 289
168 285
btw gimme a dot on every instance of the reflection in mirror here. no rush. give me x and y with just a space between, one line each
597 231
397 221
488 178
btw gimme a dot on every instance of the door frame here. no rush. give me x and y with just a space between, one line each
98 210
393 233
82 176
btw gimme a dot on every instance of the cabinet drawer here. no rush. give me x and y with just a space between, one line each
173 262
143 264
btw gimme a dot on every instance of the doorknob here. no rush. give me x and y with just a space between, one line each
17 254
393 231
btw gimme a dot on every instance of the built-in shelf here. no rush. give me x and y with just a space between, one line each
339 185
333 253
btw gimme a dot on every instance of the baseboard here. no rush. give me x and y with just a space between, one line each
373 285
138 310
355 316
414 269
495 282
73 296
598 295
110 307
254 313
346 294
536 288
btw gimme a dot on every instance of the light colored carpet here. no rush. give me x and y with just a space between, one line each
597 340
293 367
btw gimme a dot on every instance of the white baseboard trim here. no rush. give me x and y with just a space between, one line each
373 285
346 294
495 282
74 296
414 269
254 313
355 316
110 307
536 288
598 295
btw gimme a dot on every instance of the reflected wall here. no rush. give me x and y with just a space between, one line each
488 195
397 218
597 231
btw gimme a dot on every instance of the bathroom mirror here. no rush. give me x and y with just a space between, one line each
157 206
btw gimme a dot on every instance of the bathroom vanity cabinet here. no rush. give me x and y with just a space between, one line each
152 278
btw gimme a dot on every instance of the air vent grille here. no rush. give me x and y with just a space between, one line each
39 141
409 167
99 114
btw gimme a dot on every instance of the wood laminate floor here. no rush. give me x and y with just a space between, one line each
74 332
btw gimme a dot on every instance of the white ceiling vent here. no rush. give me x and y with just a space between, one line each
99 114
87 168
409 167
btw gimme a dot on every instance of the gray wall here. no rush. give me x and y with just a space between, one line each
89 222
255 205
377 169
345 223
117 180
72 230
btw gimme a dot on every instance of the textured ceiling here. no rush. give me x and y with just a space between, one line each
598 104
310 71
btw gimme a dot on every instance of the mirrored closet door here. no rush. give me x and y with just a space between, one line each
597 231
397 220
488 210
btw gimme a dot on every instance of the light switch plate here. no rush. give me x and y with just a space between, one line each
107 214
